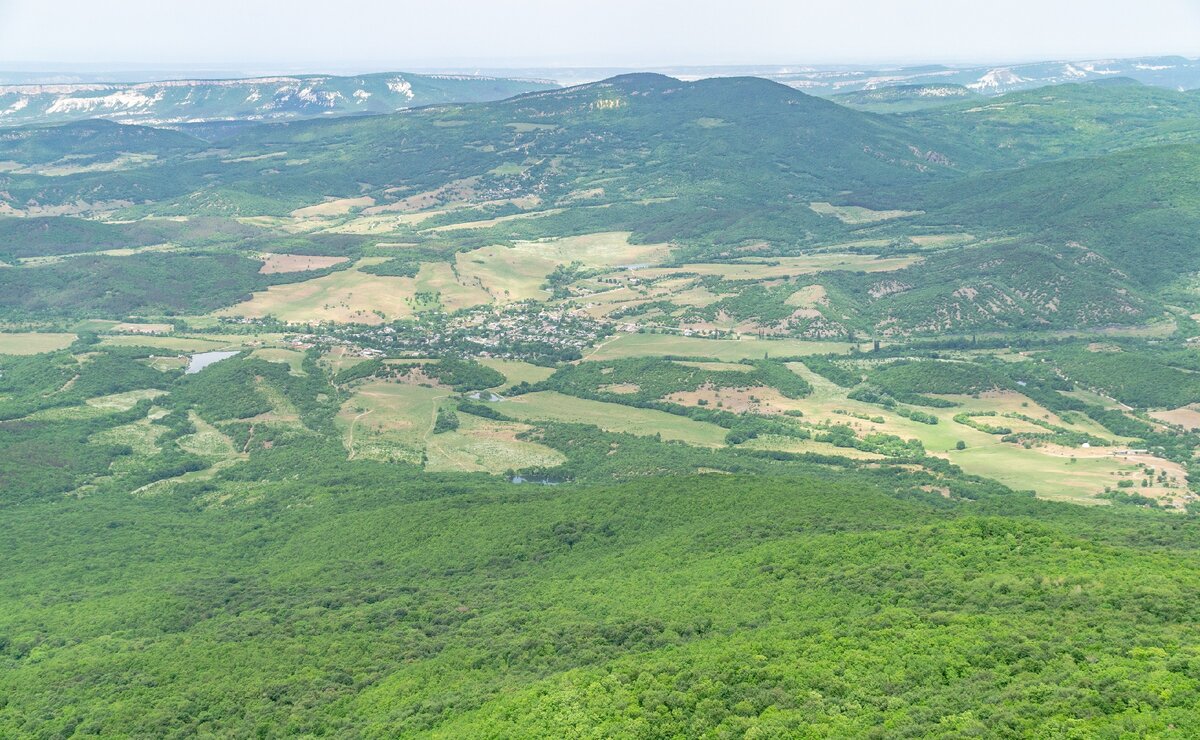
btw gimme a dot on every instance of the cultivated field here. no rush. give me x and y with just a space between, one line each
32 343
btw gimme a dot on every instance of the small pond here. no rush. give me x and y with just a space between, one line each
202 360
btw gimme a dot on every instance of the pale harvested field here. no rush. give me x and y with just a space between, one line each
130 328
333 207
506 274
754 400
605 249
517 273
276 263
457 192
492 274
747 348
1187 417
347 295
454 290
32 343
808 297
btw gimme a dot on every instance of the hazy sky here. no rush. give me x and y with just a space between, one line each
375 34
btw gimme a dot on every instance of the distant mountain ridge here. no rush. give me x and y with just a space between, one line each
1179 73
255 99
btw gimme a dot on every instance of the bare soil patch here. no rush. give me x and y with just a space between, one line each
276 263
759 399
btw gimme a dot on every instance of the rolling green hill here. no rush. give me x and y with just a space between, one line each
1075 120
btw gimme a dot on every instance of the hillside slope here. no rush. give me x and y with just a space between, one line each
356 602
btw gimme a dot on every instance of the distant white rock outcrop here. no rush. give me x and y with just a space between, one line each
256 98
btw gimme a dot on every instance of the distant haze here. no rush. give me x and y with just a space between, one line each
379 34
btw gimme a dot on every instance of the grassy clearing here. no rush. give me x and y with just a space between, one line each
658 345
808 297
33 342
697 297
177 344
483 445
165 363
282 409
207 441
1049 470
515 371
389 421
141 436
552 406
506 274
855 215
293 359
124 401
339 358
1055 477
